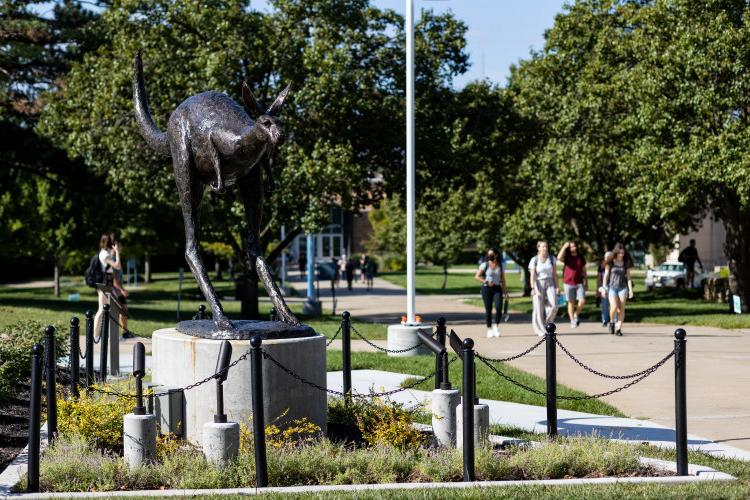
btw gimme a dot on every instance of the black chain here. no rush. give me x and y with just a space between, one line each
646 373
520 355
604 375
334 337
342 394
383 349
184 389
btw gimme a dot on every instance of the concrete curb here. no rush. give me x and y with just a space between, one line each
18 467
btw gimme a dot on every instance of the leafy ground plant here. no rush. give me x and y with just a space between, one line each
73 463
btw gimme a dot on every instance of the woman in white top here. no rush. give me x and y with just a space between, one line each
544 288
492 277
109 258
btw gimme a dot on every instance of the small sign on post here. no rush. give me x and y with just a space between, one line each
737 304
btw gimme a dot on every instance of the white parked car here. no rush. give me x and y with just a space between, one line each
672 275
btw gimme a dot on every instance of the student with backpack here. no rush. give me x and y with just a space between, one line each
544 288
492 277
108 260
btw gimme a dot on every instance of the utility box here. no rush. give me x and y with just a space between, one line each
169 409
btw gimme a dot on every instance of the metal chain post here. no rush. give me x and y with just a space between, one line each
551 381
440 333
50 362
680 401
104 338
346 352
35 417
259 426
469 396
74 355
90 348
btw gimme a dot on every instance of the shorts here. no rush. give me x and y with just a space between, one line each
614 293
574 292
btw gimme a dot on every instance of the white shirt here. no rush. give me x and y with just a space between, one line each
103 256
544 270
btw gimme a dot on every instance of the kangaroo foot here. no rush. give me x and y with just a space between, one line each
223 325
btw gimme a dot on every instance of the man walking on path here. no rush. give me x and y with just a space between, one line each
689 256
574 280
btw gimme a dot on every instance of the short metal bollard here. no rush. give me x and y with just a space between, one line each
259 426
51 365
104 340
74 355
90 379
468 408
201 314
139 427
440 334
346 352
221 439
680 401
551 381
35 417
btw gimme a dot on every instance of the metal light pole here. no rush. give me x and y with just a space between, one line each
410 236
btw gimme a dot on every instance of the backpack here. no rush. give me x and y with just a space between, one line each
94 273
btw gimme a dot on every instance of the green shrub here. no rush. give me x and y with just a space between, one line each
381 421
96 417
16 341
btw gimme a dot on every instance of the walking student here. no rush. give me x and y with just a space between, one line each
492 277
620 287
544 288
109 258
574 280
602 289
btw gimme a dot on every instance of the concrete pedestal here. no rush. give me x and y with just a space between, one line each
139 439
443 408
481 424
181 360
221 442
402 337
312 308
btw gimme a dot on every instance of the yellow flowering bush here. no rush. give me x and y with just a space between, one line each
96 417
298 431
385 422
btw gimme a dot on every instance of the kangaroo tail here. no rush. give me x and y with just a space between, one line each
150 132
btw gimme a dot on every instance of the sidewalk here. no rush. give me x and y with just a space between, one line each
533 418
717 369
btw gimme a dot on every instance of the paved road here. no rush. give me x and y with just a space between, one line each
718 359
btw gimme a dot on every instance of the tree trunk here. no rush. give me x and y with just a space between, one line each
147 268
737 248
217 269
445 275
57 280
249 295
526 274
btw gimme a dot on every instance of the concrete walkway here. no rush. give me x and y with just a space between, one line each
718 368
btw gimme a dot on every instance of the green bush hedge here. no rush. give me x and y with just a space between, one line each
16 341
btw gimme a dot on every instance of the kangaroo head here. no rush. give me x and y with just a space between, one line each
267 121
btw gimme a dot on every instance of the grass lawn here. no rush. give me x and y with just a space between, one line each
152 306
430 280
489 385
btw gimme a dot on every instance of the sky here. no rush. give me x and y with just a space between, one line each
500 31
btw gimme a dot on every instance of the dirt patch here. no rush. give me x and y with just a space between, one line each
14 426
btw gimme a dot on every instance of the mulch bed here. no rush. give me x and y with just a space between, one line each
14 426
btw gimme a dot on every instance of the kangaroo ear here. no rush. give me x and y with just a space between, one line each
252 106
276 106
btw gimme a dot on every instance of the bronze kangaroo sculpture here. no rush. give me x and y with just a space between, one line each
213 142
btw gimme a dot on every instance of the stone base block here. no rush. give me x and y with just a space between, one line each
221 442
139 439
481 424
181 360
401 337
443 408
312 308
